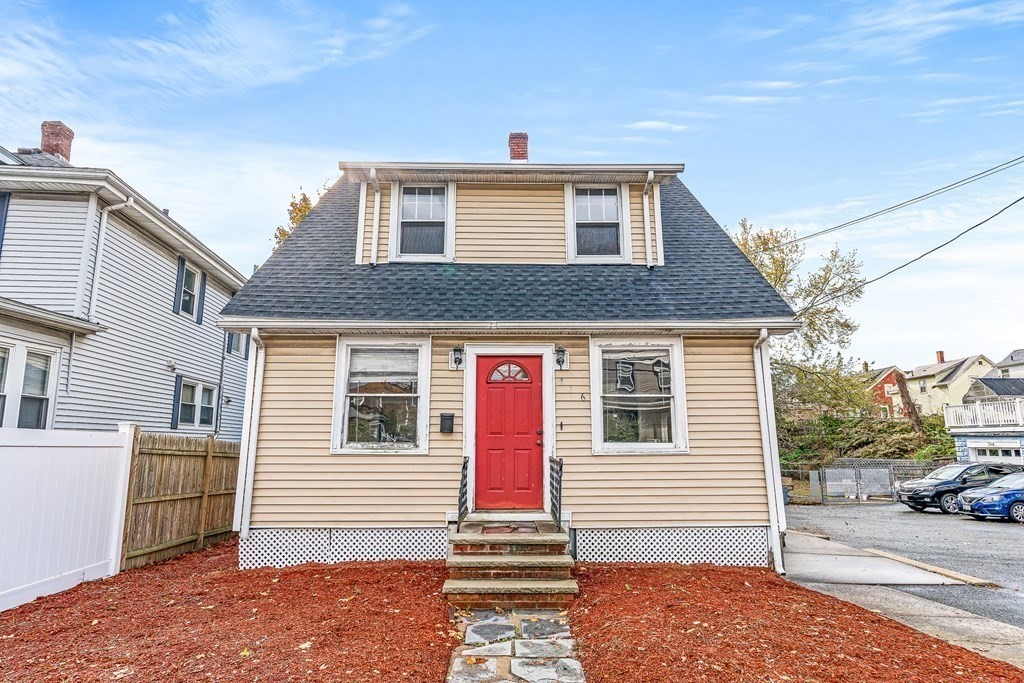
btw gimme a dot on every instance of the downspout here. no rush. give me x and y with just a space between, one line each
647 218
376 216
250 430
769 450
220 384
100 239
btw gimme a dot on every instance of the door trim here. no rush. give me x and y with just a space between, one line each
547 354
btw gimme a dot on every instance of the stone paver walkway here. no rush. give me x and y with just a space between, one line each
531 646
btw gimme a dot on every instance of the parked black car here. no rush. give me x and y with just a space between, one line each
940 488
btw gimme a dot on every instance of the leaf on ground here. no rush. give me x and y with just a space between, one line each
306 645
245 653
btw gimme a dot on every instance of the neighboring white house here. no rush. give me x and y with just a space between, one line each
108 307
1010 367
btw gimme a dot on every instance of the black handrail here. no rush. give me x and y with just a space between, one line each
555 472
464 491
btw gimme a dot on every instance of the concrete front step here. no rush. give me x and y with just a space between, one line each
509 544
510 593
550 567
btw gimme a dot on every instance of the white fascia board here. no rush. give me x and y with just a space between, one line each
754 325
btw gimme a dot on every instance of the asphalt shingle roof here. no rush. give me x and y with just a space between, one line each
37 157
313 275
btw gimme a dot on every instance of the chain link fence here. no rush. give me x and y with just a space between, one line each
852 480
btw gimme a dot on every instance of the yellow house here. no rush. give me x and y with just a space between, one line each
942 383
571 356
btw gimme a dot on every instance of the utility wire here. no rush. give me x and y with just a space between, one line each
919 257
920 198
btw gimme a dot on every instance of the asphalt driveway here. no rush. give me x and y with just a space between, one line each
987 550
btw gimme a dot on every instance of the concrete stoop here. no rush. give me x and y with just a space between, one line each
508 565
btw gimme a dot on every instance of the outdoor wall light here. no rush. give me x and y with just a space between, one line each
457 357
561 358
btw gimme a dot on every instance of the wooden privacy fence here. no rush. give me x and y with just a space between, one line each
181 496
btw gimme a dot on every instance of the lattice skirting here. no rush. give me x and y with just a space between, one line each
288 547
746 546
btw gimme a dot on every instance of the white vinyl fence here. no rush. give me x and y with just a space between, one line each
62 508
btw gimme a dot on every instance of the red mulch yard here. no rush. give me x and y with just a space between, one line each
198 618
657 623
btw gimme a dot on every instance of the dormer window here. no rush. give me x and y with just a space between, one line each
596 225
425 220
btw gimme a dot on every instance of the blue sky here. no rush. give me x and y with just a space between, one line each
220 110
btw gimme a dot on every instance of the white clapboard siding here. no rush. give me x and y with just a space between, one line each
62 502
41 255
125 372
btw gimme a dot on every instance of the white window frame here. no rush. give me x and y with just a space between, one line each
625 230
18 351
339 423
200 386
195 295
680 435
395 226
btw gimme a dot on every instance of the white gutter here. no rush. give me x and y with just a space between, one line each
376 216
100 240
752 325
250 432
770 450
647 218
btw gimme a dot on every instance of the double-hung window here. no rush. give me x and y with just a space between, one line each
381 399
424 216
28 383
638 395
190 291
597 224
5 359
196 405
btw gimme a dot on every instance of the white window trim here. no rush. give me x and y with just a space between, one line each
395 227
195 295
199 403
680 436
625 230
17 356
338 422
469 406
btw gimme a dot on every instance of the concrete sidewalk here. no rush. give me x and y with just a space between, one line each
815 560
862 578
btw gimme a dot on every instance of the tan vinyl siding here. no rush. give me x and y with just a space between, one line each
719 482
636 224
510 223
385 220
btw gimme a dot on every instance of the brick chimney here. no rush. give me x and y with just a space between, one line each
518 148
864 365
57 139
940 356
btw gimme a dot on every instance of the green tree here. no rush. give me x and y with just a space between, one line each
809 368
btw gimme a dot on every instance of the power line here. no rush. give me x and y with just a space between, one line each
920 198
920 256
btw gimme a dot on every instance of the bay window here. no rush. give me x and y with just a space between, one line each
381 398
638 396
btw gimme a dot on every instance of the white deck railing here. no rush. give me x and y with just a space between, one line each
994 414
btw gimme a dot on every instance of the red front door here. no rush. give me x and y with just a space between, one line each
509 433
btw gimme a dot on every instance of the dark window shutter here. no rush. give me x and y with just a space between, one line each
231 338
179 285
5 200
202 298
177 401
245 351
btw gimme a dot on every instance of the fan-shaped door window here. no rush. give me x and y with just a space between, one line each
509 372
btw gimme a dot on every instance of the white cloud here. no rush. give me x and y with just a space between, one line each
772 85
656 125
749 99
